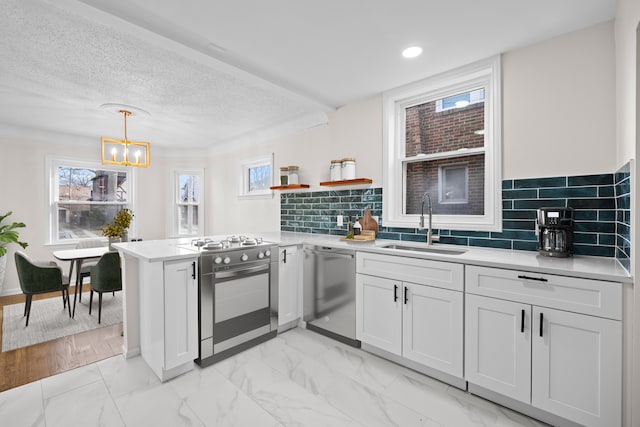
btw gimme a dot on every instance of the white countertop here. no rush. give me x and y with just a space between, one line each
158 250
599 268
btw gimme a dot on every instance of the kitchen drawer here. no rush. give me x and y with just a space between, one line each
447 275
594 297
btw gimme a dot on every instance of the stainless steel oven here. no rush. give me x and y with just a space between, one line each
237 298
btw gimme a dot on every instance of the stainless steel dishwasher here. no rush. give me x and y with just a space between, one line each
329 292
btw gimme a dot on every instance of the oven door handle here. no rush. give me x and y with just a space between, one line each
241 271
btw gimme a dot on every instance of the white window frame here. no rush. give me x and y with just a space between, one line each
485 73
176 203
245 165
52 165
442 183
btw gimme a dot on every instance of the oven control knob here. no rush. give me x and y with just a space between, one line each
267 253
217 260
226 260
260 254
244 257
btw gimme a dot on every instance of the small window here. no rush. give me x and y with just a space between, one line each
460 100
256 177
453 183
188 203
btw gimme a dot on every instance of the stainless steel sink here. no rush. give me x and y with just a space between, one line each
427 249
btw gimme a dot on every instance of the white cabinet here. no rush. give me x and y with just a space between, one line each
379 312
567 363
576 366
498 346
169 316
180 304
289 286
411 308
432 325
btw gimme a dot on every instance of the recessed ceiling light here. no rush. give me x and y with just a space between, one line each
412 52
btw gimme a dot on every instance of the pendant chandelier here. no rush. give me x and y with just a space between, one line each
124 152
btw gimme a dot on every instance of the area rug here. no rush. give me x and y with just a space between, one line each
48 320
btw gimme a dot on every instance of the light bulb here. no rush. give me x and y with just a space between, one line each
412 52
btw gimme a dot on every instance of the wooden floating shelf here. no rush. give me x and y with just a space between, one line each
289 187
347 182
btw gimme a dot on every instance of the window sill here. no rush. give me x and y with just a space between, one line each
268 195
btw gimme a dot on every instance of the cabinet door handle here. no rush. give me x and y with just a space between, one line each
522 322
395 293
285 256
193 273
537 279
406 294
541 320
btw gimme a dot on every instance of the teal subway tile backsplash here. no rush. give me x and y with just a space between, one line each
622 187
601 212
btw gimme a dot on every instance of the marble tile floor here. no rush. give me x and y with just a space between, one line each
299 378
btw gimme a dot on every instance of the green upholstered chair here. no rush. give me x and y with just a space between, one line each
39 278
84 269
105 277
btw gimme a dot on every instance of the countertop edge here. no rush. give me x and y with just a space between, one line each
595 268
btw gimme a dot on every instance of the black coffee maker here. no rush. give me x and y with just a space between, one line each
554 228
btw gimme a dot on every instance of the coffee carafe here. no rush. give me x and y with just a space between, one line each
554 228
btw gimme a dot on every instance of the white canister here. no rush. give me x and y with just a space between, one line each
293 174
284 175
336 170
348 170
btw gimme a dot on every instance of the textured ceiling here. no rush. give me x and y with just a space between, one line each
210 72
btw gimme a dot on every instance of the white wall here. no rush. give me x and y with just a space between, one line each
628 146
559 106
353 131
25 192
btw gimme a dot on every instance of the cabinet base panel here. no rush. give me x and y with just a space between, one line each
167 374
518 406
286 326
441 376
345 340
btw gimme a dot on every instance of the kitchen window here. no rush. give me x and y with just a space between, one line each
442 136
188 202
256 177
84 196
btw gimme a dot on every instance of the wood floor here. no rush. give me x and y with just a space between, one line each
28 364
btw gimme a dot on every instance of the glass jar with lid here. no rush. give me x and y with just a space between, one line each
348 169
284 175
293 174
335 170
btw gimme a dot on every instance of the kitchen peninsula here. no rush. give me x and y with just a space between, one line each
160 301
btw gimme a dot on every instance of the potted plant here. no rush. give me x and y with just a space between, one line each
8 234
117 230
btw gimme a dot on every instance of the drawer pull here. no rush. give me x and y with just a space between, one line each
522 322
537 279
395 293
541 320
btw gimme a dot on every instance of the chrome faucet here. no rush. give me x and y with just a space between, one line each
427 197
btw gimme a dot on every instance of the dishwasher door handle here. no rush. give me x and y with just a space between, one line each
328 254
